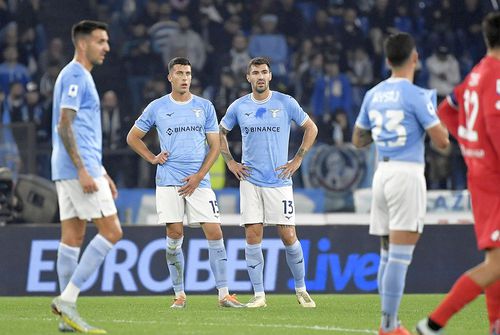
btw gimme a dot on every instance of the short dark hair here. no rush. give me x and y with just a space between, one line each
258 61
491 29
177 60
86 27
398 48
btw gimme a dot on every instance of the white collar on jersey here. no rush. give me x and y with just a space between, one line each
179 102
261 101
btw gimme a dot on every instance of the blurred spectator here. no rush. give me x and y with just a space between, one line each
48 80
469 34
360 74
381 20
9 152
403 20
154 89
239 56
140 63
28 54
54 53
147 15
188 43
112 130
444 71
439 24
12 71
289 17
226 93
352 36
332 92
33 111
308 73
271 44
5 16
321 31
14 104
161 35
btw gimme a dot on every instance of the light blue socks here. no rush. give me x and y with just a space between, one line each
175 263
255 267
67 261
393 283
295 261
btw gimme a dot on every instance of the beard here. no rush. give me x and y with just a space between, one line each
261 89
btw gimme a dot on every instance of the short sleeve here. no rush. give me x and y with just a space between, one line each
211 120
363 120
229 120
297 114
147 118
424 105
73 87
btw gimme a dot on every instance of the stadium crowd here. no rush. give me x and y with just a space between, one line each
325 53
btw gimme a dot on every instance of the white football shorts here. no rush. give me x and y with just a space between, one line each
86 206
398 198
267 205
199 207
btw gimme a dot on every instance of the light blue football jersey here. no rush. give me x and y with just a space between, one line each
75 89
182 129
265 132
398 113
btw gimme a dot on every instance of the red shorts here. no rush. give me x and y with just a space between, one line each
486 210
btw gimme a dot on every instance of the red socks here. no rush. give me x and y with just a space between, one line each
463 291
493 301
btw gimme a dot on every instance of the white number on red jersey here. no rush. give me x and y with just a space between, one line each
471 107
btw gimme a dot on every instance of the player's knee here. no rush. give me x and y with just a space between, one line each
113 235
73 240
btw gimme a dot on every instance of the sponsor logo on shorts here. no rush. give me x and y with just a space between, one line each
495 236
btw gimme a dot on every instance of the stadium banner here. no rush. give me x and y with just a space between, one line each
338 259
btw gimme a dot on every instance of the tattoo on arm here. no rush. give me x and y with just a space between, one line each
362 137
224 146
65 130
301 152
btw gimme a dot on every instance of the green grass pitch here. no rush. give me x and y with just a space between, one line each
335 314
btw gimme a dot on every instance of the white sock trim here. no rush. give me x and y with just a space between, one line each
223 291
70 293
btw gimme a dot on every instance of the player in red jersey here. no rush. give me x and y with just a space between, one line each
472 115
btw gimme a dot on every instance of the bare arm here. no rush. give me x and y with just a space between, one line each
439 136
361 137
193 181
65 131
310 133
239 170
224 145
134 140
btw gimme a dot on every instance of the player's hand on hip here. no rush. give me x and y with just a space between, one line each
87 182
112 186
161 158
288 169
241 171
192 183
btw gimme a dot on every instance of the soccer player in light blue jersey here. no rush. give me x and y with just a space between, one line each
265 172
84 190
185 123
396 115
